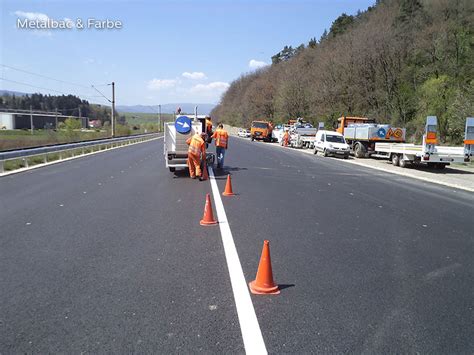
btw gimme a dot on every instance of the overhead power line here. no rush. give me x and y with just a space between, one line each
43 88
105 97
44 76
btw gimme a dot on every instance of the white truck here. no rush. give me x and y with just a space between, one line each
176 133
361 133
429 153
303 135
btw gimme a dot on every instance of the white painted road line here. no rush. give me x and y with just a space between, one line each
249 327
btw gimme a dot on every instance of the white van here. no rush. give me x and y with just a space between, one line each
331 143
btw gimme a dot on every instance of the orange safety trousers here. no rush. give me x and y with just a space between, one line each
194 165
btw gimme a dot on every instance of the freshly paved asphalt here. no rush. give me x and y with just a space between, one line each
368 262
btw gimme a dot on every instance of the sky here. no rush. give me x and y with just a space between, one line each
163 52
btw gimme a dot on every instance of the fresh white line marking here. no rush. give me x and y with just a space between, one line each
249 327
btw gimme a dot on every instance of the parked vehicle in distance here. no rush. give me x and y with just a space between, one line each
430 152
361 133
242 133
331 143
261 130
278 131
302 134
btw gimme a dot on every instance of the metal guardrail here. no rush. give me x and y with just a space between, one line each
70 149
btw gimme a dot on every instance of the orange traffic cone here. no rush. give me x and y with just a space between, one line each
205 175
208 217
228 187
263 283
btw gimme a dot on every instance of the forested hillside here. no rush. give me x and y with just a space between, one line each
398 62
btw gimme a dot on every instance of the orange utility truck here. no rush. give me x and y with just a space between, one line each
261 130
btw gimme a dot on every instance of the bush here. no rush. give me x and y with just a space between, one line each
122 130
72 124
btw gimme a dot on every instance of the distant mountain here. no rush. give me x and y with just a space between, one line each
203 109
16 93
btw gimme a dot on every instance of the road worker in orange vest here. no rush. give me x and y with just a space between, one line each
221 137
196 153
286 138
209 129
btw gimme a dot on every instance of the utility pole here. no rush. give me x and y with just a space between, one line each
31 119
56 118
80 116
159 119
113 109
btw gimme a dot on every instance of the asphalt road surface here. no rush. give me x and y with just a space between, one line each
105 254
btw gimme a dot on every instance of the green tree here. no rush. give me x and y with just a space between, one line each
341 24
436 96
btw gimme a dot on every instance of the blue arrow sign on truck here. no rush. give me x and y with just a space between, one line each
183 124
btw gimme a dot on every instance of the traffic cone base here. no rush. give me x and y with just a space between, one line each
263 290
228 187
263 283
208 217
205 223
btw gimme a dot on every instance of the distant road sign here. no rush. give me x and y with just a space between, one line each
183 124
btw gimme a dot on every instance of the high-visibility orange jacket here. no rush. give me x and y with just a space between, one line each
208 125
196 145
286 136
221 138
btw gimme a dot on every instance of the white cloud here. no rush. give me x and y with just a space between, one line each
40 17
256 64
214 86
70 22
211 91
196 75
89 61
158 84
35 16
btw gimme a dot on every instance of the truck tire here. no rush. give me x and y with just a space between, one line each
395 160
402 163
315 151
359 150
325 153
252 138
172 169
440 166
